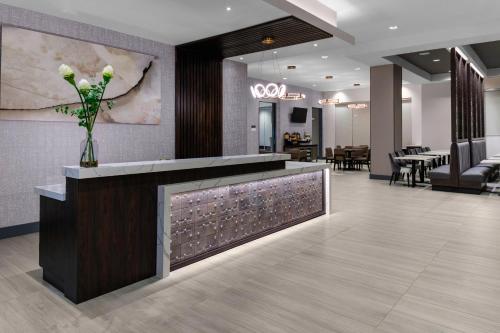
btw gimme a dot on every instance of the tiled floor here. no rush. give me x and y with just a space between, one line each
391 259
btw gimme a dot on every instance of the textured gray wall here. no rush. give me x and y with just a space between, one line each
283 111
235 89
32 153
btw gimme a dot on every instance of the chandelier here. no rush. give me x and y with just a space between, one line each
271 90
358 106
329 101
292 96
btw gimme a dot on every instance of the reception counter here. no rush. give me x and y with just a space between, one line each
112 226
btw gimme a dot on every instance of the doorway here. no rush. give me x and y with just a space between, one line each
317 130
267 127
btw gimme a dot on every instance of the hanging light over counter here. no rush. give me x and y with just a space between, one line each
358 106
328 101
292 96
271 90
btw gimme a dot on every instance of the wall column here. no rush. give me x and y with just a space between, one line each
385 118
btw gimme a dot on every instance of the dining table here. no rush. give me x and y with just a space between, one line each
414 159
444 155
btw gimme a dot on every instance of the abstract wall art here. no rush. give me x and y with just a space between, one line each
31 88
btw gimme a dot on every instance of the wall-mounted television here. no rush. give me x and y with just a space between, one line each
299 115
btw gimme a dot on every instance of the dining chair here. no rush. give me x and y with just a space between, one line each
398 170
329 155
339 159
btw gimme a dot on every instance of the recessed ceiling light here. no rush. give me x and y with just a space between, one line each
436 60
315 44
275 52
285 78
424 53
393 27
291 67
241 58
324 57
357 69
357 84
228 8
329 77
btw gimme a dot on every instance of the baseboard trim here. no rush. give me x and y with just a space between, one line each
379 177
19 230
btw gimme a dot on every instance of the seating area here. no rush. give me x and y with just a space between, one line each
349 157
407 162
466 173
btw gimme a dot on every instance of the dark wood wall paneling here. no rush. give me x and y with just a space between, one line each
467 101
198 111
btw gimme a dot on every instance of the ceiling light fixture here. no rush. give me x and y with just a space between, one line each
436 60
357 84
329 77
424 53
324 57
228 8
285 78
269 90
357 69
315 45
358 106
272 90
275 52
241 58
292 96
328 101
268 40
393 27
291 67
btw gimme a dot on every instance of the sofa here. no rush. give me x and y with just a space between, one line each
465 173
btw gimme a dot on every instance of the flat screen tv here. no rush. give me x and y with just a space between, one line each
299 115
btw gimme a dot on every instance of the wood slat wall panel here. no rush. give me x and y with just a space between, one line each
198 112
467 100
199 109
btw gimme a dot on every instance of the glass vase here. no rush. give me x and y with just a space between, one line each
89 150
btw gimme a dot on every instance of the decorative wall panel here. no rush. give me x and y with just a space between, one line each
205 220
31 87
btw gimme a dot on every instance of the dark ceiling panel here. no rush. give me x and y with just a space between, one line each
489 53
425 60
285 31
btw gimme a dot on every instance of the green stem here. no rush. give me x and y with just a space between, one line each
84 106
99 105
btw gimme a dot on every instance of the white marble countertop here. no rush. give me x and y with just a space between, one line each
57 192
130 168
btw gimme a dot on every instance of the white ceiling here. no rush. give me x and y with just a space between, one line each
169 21
423 24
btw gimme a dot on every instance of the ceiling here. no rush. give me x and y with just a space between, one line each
489 53
168 21
423 25
432 61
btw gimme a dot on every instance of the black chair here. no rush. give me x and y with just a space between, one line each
329 155
399 170
339 159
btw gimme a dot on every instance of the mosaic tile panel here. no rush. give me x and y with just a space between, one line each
204 220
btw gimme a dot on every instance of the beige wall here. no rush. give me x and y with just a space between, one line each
436 115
